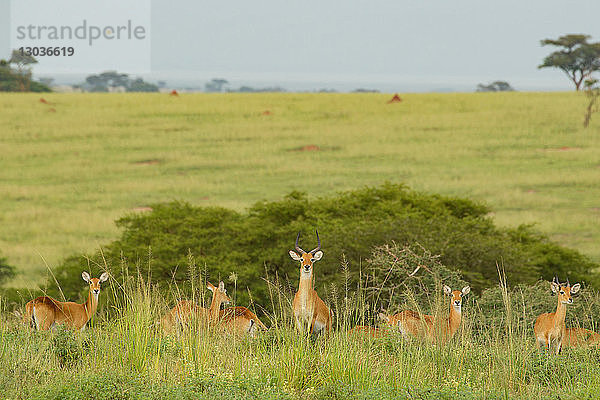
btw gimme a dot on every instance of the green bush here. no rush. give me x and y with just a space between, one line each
163 243
6 271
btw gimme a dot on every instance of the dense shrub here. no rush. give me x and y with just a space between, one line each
161 244
6 271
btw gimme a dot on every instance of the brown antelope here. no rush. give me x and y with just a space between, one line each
184 311
238 320
234 319
421 325
368 331
44 312
580 337
310 312
549 328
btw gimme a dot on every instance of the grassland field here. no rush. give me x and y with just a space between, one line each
68 169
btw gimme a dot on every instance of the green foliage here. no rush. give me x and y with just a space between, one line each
6 271
577 58
161 244
19 78
66 347
105 81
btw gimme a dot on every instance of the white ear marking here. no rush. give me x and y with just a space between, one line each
85 276
554 286
466 290
447 290
221 286
575 288
104 277
295 256
317 256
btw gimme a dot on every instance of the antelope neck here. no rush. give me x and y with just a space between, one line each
560 314
91 304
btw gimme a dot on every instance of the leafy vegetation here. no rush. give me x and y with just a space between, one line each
16 75
245 247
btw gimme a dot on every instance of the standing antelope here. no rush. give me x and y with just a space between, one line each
44 312
309 310
549 328
412 323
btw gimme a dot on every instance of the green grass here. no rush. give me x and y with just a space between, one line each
67 175
124 356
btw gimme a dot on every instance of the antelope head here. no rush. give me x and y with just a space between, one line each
94 282
306 258
564 291
457 295
219 293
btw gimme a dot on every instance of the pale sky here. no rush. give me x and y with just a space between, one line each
393 45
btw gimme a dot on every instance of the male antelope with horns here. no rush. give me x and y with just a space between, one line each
44 312
310 312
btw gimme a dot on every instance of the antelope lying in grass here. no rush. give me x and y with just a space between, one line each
234 319
368 331
575 337
421 325
44 313
549 328
310 312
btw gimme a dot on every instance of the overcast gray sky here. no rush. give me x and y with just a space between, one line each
415 45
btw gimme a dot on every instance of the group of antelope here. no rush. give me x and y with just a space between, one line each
311 314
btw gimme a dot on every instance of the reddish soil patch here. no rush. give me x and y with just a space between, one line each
174 93
564 148
395 99
51 110
153 161
309 147
204 198
142 209
267 112
531 191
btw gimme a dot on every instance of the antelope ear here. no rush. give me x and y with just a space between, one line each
221 286
318 255
104 277
85 276
466 290
295 256
210 286
384 317
447 290
555 287
575 288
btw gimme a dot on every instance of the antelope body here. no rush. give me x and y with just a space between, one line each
550 328
422 325
43 313
233 319
580 337
311 314
368 331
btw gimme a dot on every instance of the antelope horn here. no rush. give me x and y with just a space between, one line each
568 284
313 251
298 249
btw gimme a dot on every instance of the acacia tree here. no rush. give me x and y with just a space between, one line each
577 58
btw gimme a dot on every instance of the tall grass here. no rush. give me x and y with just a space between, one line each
124 355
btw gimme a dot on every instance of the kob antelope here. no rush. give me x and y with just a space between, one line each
549 328
238 320
310 312
234 319
580 337
421 325
44 312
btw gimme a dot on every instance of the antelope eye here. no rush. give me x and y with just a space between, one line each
562 292
312 259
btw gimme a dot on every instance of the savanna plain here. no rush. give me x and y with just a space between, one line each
72 165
